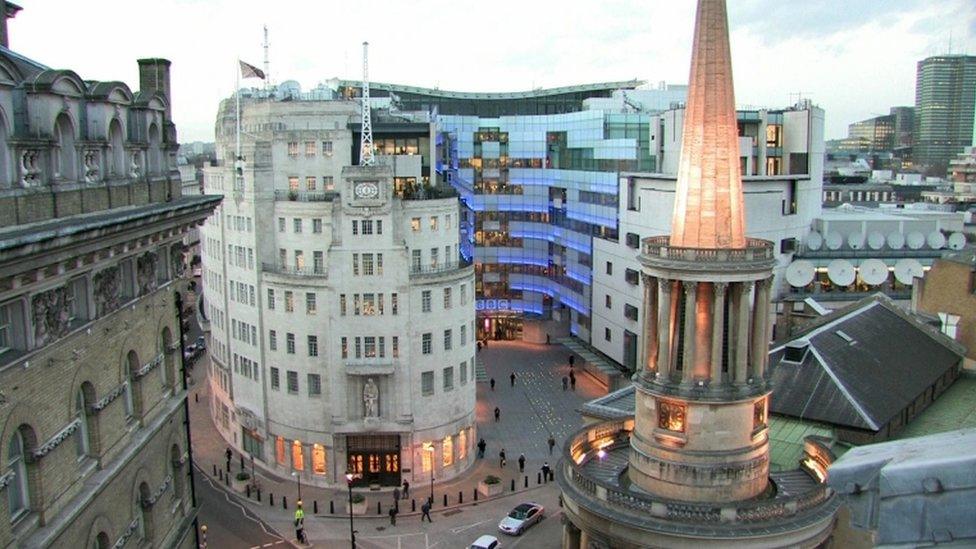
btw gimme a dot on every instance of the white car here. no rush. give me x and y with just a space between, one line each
521 518
486 542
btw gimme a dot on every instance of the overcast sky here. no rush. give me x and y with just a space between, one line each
855 58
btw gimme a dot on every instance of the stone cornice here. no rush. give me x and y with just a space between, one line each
148 367
107 399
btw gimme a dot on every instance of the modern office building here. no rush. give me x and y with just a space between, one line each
94 448
945 110
783 174
536 172
691 467
342 314
878 132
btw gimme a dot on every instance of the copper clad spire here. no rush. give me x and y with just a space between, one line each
708 206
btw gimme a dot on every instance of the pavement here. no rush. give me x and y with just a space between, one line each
530 411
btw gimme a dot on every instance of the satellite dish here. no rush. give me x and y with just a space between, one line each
800 273
957 241
936 240
896 240
907 269
814 241
915 240
841 272
876 240
855 241
833 240
873 272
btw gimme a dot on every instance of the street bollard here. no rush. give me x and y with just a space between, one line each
196 397
476 494
513 484
284 502
220 474
460 497
379 508
227 480
242 462
413 505
331 507
271 499
259 495
526 481
445 500
215 469
248 490
538 478
315 506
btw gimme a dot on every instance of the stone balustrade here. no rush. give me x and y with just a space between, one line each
655 247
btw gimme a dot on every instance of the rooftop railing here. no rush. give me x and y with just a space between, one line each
438 268
306 196
754 250
321 272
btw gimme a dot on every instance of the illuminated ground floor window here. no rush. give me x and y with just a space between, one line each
297 456
318 459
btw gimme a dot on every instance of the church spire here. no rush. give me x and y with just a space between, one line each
708 207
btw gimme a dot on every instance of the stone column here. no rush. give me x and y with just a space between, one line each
718 326
741 298
760 345
762 358
649 344
691 319
571 536
664 327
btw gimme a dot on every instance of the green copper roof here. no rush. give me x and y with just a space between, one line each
786 440
954 409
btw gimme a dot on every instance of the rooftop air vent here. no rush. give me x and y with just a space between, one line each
796 351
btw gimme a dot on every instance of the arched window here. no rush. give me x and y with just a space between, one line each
155 150
177 470
65 150
83 435
131 365
168 371
144 511
18 494
101 541
116 143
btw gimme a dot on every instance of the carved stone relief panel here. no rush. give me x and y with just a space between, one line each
50 311
146 272
107 283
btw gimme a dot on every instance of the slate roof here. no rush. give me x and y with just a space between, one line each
865 364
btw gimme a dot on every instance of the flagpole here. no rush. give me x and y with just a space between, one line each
237 73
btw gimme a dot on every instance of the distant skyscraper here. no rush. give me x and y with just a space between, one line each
945 97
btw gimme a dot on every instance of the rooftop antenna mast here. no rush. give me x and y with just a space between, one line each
366 141
267 63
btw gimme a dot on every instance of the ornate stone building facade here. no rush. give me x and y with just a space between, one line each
342 315
691 468
94 449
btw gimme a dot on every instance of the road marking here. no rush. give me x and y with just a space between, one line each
220 489
459 529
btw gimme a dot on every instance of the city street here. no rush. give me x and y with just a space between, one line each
530 411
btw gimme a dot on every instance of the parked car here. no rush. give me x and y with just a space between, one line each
521 518
486 542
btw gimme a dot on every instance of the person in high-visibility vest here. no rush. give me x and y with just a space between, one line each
300 522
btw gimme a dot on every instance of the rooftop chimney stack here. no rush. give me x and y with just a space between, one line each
8 10
154 77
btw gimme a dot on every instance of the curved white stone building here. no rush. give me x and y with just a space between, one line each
342 318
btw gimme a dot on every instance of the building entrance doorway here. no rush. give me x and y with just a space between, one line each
375 458
500 328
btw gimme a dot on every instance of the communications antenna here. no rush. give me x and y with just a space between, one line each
267 62
366 141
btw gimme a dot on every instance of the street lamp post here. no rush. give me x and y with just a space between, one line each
350 478
298 477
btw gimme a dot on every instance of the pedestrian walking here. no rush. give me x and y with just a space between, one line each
565 382
491 382
229 454
512 378
521 461
551 442
572 380
479 346
501 458
545 471
497 413
406 489
572 360
300 523
393 514
396 494
481 448
425 510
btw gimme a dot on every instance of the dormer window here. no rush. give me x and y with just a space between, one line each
796 351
